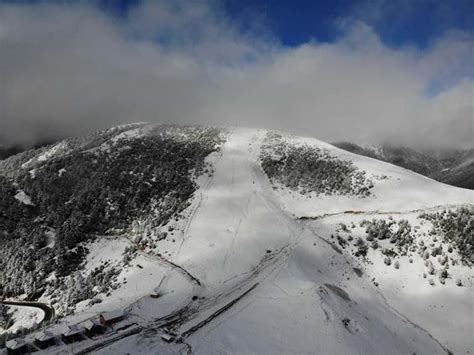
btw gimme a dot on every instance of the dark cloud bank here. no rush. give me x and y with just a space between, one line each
70 69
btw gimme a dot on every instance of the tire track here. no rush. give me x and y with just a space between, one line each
173 265
217 313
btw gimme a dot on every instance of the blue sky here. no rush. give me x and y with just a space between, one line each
294 22
397 22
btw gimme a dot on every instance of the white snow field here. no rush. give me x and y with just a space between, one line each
247 276
23 317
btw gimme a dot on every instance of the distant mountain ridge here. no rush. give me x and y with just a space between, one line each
453 167
12 149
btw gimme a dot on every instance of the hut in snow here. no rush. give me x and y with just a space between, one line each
111 317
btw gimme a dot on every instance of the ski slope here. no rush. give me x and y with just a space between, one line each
272 284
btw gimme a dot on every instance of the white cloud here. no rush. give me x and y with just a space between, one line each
69 69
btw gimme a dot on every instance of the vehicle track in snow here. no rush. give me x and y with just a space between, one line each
217 313
247 204
172 265
230 250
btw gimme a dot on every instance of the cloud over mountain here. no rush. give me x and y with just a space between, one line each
71 68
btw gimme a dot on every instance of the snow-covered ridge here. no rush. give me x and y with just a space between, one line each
402 190
453 167
46 154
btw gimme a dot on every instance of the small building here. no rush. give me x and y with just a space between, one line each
167 337
44 339
72 334
16 346
92 328
111 317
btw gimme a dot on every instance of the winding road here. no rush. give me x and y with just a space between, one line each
47 309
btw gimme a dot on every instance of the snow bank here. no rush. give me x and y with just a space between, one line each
23 198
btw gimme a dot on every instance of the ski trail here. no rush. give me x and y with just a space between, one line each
230 250
185 231
197 206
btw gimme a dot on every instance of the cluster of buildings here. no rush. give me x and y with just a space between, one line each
67 335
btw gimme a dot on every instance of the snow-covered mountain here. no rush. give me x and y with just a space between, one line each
237 241
451 166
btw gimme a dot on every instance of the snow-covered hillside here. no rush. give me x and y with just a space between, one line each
260 264
451 166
